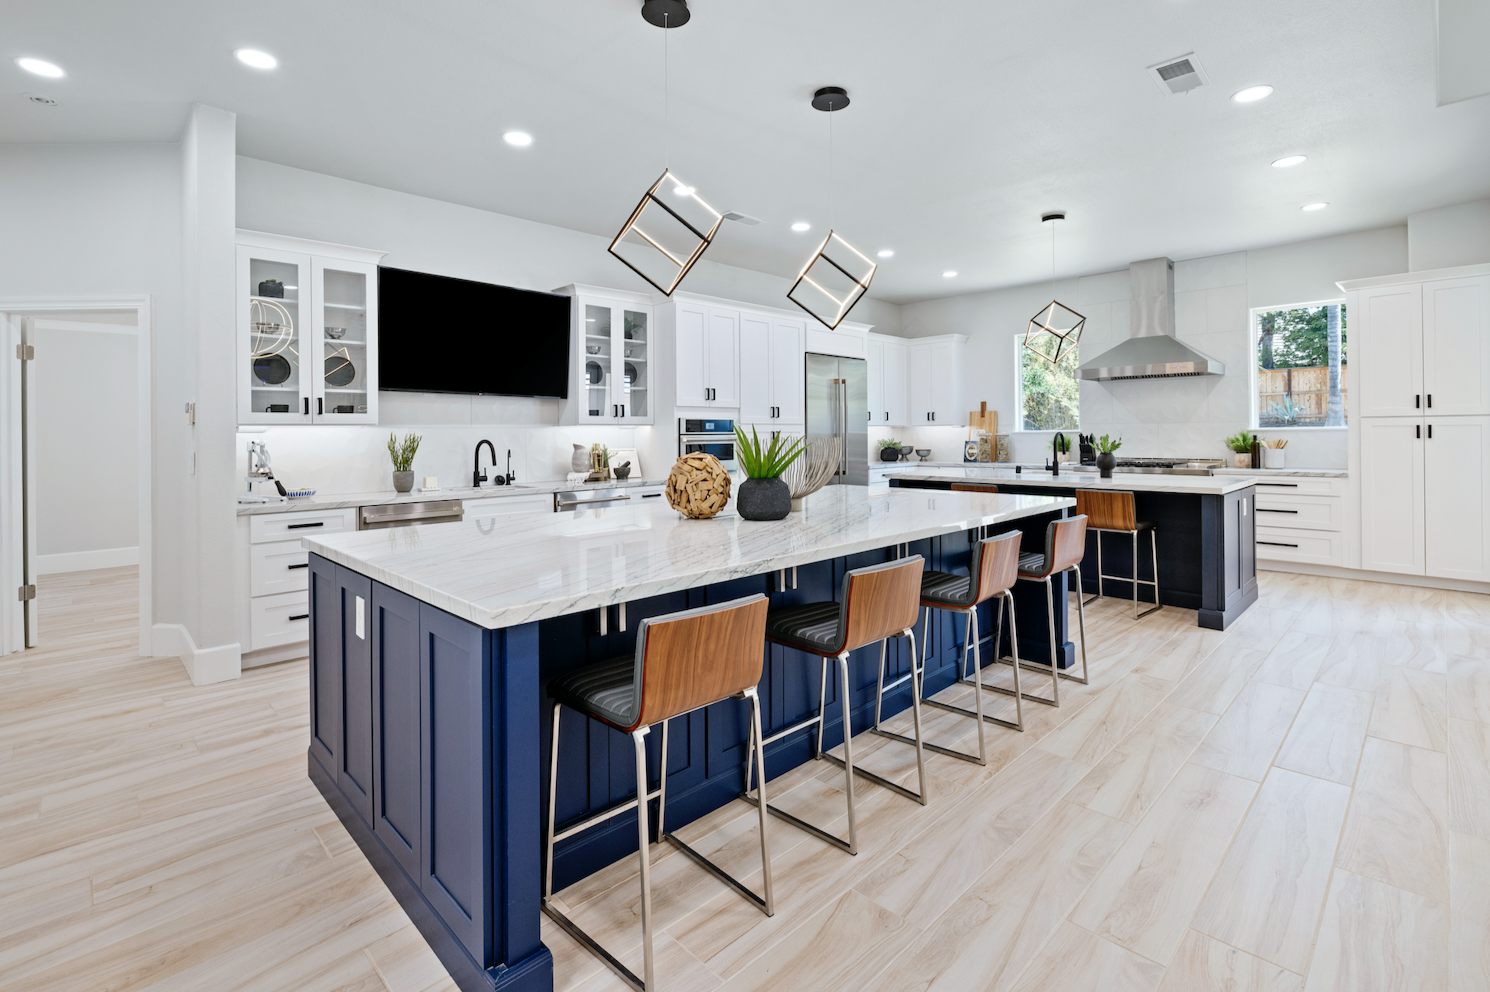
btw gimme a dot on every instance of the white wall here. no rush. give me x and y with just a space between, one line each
1213 299
1449 236
86 461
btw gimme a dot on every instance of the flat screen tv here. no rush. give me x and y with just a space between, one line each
437 334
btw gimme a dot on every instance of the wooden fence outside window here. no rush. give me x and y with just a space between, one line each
1309 388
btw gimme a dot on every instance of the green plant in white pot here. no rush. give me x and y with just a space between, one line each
402 454
763 495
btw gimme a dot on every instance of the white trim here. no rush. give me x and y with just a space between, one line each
1422 275
82 561
204 666
304 246
1363 575
276 655
1254 331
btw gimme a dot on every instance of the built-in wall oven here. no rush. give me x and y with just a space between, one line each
712 437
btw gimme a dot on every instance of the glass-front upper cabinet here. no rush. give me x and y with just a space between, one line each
611 351
307 332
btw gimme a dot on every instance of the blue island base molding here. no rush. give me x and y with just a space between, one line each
429 738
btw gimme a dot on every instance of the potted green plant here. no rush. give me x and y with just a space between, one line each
402 453
889 450
763 496
1240 444
1106 460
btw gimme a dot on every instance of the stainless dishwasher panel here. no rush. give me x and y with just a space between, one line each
590 499
435 511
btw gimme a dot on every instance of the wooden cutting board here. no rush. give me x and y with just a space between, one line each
983 419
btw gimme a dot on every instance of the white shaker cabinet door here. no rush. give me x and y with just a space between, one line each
1456 347
922 401
1386 345
874 355
896 383
1392 495
691 349
757 399
1456 476
722 358
787 369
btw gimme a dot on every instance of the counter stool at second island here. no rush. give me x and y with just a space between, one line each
992 571
1110 512
683 662
877 603
1065 544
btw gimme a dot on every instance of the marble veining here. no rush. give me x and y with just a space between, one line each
501 574
1202 485
467 493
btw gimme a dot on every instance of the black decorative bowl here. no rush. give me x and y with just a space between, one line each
271 370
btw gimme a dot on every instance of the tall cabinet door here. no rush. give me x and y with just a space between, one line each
1386 344
354 770
1456 484
690 349
922 402
277 360
722 355
1392 512
757 399
788 340
596 377
325 664
632 367
947 408
397 818
874 354
344 328
1456 347
896 382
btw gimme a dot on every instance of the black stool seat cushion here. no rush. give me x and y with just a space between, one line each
607 690
945 589
1032 563
815 627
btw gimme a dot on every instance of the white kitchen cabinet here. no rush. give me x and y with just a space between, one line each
874 355
1386 352
722 358
612 357
1456 347
1392 537
889 377
770 369
307 331
706 355
935 381
1456 486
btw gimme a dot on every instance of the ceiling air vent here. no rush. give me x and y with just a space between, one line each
740 218
1178 75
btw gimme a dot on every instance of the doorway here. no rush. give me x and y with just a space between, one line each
74 455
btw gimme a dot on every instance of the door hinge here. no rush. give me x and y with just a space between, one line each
25 593
26 352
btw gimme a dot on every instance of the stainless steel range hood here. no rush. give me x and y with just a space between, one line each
1151 351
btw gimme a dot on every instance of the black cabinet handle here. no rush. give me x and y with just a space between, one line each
1417 430
307 406
1278 544
318 523
300 616
1430 401
303 564
1289 485
1430 432
651 496
1417 401
320 407
1263 509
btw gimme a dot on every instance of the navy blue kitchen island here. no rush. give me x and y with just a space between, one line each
431 649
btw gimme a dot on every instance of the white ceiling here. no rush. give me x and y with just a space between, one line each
969 119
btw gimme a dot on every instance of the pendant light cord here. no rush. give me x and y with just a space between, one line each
1052 253
832 191
666 122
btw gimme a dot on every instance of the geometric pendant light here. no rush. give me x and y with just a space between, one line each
837 275
1055 331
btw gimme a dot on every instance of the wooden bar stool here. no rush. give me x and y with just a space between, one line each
1065 544
877 603
1112 513
683 662
974 487
991 572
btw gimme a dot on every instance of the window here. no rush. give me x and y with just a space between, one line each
1048 398
1301 367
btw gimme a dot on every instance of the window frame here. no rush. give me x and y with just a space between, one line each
1019 352
1254 335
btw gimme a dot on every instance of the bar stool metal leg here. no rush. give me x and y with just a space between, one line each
916 675
1099 569
639 738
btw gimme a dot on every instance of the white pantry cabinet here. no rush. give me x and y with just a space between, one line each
307 331
771 369
935 381
612 357
1456 480
1391 471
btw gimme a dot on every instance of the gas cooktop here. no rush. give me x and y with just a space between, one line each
1162 466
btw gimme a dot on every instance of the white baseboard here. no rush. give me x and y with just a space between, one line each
1363 575
204 665
82 561
273 656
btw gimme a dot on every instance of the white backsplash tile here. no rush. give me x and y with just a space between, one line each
1226 309
1190 313
1211 272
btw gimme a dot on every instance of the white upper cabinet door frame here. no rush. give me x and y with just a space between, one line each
690 345
1386 345
920 378
757 395
1456 486
1392 508
1456 347
722 357
637 405
894 384
788 387
874 354
321 404
307 342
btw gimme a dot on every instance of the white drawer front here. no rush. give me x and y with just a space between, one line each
264 527
507 506
282 619
1301 485
283 566
1284 544
1315 513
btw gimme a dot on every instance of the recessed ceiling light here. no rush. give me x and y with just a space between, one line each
949 274
885 253
518 139
1314 206
1252 94
801 226
256 59
682 190
41 67
1288 161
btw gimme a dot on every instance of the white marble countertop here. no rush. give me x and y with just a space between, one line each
1202 485
1313 473
567 562
342 500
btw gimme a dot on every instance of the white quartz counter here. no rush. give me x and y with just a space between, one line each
1201 485
566 562
342 500
1262 473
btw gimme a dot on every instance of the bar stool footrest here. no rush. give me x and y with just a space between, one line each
802 825
949 752
610 960
1010 692
1012 725
758 901
879 779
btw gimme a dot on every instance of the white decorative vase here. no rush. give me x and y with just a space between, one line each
580 460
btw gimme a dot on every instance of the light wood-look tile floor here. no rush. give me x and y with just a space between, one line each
1302 802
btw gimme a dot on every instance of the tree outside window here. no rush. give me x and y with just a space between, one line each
1049 399
1301 366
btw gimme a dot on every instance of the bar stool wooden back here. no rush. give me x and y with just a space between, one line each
876 603
992 571
1065 545
973 487
683 662
1111 512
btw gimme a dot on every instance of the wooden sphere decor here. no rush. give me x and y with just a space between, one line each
698 486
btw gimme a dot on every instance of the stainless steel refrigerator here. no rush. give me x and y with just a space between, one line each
838 405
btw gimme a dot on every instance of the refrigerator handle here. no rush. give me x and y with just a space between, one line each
843 434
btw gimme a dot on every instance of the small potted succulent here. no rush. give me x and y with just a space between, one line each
764 496
1240 444
1106 459
402 453
889 450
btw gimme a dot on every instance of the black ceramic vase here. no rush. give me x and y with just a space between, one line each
1106 462
763 499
